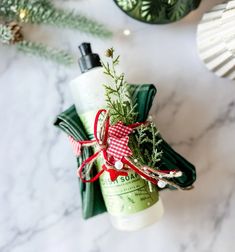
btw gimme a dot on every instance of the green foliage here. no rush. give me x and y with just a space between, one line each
118 98
149 143
145 142
43 12
41 50
36 49
5 34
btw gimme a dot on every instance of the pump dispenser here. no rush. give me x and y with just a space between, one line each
129 200
88 59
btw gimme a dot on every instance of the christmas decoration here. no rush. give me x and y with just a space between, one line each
11 33
114 139
125 140
157 11
215 40
43 12
70 123
14 13
118 156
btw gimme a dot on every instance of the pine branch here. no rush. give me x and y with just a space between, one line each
5 34
145 142
119 102
149 142
10 34
37 49
43 12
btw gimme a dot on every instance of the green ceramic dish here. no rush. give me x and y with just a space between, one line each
157 11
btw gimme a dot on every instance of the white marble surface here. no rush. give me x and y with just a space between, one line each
195 111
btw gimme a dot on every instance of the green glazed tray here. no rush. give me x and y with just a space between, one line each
157 11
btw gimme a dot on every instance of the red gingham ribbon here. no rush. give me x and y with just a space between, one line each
118 147
76 145
119 130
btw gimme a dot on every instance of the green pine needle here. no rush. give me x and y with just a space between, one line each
145 142
38 49
149 142
43 12
119 102
5 34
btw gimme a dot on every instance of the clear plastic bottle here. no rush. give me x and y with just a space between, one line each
129 200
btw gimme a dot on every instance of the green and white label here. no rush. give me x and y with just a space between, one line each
125 195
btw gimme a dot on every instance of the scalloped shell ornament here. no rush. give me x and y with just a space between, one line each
216 40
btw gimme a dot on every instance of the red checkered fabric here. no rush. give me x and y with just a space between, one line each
119 130
76 146
118 147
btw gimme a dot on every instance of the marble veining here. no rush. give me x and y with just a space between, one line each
194 110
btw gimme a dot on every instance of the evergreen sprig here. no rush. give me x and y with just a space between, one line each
37 49
149 142
118 99
145 142
44 12
5 34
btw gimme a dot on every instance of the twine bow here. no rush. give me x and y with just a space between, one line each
111 142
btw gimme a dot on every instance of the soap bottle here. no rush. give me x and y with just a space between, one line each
131 203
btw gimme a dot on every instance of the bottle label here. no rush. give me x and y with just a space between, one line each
125 195
88 119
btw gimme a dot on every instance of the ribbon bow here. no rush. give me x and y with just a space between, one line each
112 142
118 141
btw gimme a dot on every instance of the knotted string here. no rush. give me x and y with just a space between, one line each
105 144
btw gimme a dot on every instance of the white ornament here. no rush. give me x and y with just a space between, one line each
150 118
178 174
118 165
161 184
215 39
